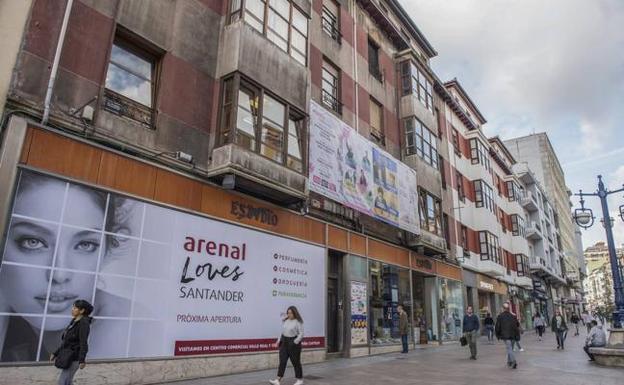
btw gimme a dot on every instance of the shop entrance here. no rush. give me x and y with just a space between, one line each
334 302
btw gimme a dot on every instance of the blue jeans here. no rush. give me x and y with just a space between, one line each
511 359
490 332
561 336
404 342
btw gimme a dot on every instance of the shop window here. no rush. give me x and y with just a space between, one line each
278 20
330 87
390 287
330 19
376 122
460 186
484 196
421 141
489 247
257 121
131 80
479 153
430 212
414 81
373 60
452 309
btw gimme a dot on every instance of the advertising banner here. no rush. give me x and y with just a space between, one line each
163 282
359 316
349 169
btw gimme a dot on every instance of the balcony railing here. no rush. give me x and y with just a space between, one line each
533 231
331 102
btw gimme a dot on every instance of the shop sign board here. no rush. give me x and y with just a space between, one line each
163 282
486 285
359 316
348 168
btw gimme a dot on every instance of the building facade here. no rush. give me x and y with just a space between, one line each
598 284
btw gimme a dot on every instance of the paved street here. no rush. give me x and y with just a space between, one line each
540 363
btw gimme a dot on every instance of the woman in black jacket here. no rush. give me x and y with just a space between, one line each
75 345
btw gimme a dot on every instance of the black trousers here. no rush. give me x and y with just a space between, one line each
586 348
290 350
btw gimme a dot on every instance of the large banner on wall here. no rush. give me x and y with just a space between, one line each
349 169
163 282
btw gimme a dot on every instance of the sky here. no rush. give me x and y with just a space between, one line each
531 66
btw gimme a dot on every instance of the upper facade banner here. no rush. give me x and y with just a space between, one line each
349 169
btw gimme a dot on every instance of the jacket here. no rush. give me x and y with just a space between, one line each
507 327
403 324
553 324
489 321
76 337
596 337
471 323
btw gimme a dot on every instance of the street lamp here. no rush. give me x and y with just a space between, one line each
584 218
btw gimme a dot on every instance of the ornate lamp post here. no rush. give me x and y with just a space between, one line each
584 218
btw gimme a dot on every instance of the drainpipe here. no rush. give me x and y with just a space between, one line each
57 58
355 69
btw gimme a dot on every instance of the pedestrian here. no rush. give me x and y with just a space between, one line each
539 324
575 320
596 338
560 328
587 320
517 340
289 344
72 353
471 331
507 330
403 328
489 327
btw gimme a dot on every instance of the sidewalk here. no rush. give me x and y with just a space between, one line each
540 363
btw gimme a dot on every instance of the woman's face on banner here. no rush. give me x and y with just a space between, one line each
35 242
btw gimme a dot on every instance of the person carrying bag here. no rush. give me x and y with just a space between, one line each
72 353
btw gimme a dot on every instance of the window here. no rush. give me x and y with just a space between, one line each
373 60
460 186
442 171
376 121
255 120
464 241
414 81
430 213
130 83
513 191
517 225
501 220
483 195
421 141
455 138
330 19
330 87
489 247
478 153
279 20
522 265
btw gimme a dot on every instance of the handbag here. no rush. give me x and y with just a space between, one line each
64 358
463 341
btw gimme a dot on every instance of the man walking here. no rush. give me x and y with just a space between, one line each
471 331
560 328
575 320
596 338
403 328
507 330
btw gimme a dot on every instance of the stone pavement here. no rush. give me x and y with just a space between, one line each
540 363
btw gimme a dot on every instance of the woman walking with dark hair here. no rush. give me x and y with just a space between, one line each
289 344
72 353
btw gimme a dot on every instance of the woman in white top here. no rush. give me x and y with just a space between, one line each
289 344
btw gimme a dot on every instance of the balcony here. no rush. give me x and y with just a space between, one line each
492 269
525 282
533 231
528 201
427 243
252 173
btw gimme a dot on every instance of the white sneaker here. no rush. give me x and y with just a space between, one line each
299 382
274 382
521 350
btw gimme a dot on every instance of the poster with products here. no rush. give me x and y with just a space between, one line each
348 168
359 316
163 282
